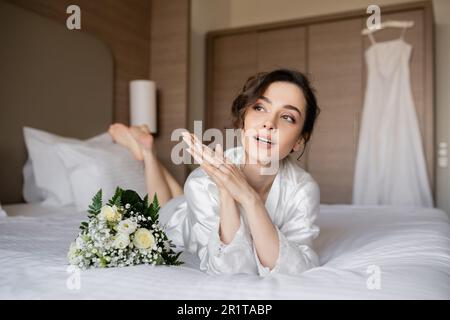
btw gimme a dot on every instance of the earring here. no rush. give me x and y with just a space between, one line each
304 147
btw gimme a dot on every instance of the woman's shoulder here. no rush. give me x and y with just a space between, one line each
300 191
298 179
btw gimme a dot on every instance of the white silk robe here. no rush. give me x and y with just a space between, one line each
192 223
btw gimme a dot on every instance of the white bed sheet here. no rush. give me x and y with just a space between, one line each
409 245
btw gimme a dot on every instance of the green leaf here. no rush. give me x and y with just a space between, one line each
152 209
131 197
84 225
146 201
136 203
116 198
172 259
159 260
96 205
155 202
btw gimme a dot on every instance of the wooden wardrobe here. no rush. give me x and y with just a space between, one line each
330 49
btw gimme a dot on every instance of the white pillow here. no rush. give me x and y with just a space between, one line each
2 212
102 138
91 168
52 183
30 191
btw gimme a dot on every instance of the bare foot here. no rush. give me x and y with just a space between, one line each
142 135
122 135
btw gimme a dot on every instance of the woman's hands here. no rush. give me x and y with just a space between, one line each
227 176
231 182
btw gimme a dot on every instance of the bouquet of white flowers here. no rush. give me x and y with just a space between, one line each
122 233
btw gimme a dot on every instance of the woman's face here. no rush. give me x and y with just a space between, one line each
272 125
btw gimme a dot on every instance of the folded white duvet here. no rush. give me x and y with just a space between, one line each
365 253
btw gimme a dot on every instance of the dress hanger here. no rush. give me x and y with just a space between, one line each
388 24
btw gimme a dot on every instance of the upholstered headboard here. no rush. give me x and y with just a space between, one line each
51 78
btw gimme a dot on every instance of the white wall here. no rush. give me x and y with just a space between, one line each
247 12
442 38
219 14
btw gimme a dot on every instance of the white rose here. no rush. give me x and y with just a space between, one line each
121 241
143 239
127 226
109 213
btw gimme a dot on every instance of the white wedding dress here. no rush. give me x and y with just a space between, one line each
390 166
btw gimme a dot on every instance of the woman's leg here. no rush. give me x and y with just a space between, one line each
121 134
154 177
175 188
139 141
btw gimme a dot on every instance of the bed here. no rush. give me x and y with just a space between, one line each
406 248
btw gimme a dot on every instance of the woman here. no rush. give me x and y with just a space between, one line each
236 219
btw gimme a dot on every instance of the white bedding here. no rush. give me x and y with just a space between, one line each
409 245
